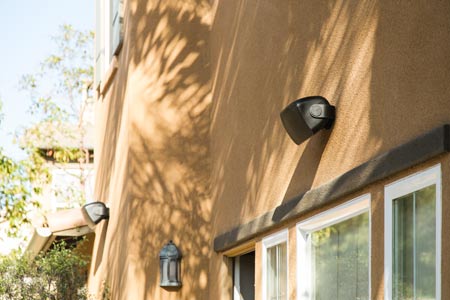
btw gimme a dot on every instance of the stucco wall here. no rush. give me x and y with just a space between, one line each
189 141
153 166
383 64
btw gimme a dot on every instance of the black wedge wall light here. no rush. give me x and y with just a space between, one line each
94 212
170 266
306 116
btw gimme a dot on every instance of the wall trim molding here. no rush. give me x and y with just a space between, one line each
407 155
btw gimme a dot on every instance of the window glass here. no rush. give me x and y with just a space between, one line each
277 272
414 245
340 260
108 35
275 266
244 277
333 260
413 236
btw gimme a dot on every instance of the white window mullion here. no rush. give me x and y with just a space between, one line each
237 279
278 272
438 234
414 247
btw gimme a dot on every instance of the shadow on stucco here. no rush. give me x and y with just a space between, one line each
166 191
256 73
264 55
111 160
269 56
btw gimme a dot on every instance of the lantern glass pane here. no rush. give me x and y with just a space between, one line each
164 271
172 270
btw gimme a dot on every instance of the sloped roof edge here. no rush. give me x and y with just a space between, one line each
68 222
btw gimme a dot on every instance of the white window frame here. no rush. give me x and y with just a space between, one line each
106 36
268 242
237 278
328 218
400 188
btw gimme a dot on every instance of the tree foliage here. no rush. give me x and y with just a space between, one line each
59 114
19 181
60 109
59 274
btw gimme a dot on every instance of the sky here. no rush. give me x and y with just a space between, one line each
26 28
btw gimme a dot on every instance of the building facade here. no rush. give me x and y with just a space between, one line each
190 148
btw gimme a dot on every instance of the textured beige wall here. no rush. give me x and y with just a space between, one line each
152 153
189 141
383 64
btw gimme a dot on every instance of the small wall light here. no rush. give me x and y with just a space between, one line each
170 266
306 116
94 212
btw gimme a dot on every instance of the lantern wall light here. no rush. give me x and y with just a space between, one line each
170 266
306 116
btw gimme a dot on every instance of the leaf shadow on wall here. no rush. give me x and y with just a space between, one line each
167 191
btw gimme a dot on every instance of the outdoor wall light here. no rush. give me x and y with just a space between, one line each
306 116
170 266
94 212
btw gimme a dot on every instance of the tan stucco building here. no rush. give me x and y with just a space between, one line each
190 148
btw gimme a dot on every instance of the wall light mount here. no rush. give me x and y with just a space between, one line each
306 116
94 212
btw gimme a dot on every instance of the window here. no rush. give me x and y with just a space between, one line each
244 277
108 34
333 253
412 236
275 266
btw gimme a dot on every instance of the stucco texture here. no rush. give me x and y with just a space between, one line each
189 141
153 171
383 64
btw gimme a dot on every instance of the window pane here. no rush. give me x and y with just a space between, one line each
244 277
340 256
414 245
277 272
